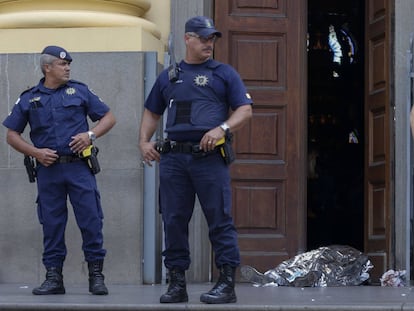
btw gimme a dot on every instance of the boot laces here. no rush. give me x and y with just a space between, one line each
52 279
225 280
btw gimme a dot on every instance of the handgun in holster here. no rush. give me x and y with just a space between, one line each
90 156
225 148
29 163
163 146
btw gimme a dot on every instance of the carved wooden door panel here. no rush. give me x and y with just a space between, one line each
266 42
378 128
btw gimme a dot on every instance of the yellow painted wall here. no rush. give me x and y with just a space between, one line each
27 26
159 14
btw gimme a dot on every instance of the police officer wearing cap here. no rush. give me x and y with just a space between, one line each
56 110
198 103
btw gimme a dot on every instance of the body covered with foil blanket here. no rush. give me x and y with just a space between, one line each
336 265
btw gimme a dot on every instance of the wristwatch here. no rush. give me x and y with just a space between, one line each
92 136
225 127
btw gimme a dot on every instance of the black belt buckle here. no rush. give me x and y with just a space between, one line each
198 153
181 147
68 159
196 149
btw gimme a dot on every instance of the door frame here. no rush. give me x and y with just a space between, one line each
402 95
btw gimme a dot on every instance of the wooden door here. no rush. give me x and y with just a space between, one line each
378 129
266 42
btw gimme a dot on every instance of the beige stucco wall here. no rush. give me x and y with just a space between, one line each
84 25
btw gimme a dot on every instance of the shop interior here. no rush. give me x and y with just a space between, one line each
335 193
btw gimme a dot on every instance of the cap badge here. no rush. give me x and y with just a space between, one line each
62 55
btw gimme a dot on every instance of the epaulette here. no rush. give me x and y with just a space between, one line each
213 64
27 90
77 82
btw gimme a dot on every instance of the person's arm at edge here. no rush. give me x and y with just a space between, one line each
148 127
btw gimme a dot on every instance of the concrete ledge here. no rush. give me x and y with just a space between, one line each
146 297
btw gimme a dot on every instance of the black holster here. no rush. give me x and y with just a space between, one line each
163 146
226 149
90 156
29 163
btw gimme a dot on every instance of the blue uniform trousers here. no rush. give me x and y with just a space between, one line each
181 178
55 183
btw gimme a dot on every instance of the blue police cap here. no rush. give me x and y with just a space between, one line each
201 25
58 52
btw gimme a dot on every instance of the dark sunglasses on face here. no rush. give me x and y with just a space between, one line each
212 37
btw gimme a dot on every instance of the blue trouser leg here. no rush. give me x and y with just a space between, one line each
85 199
177 198
53 214
54 184
214 193
181 177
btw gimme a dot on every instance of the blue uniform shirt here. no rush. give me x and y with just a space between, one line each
199 100
55 115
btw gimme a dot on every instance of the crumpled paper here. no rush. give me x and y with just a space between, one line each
336 265
393 278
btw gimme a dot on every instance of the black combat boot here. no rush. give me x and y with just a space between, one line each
177 290
53 284
96 278
223 291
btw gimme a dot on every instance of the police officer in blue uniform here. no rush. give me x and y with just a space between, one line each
198 101
56 110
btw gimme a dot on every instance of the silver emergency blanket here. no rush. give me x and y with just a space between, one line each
336 265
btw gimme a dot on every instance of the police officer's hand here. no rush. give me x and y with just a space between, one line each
79 142
209 140
46 156
149 153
